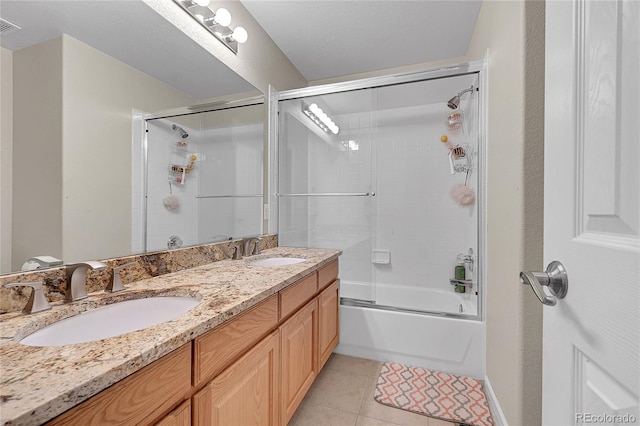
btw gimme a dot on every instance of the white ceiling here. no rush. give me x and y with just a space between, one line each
329 38
322 39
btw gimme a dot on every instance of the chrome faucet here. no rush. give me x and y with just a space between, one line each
37 301
77 278
246 243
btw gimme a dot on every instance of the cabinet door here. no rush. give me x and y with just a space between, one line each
244 394
328 328
299 357
181 416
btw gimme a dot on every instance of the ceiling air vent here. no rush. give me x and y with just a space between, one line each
7 27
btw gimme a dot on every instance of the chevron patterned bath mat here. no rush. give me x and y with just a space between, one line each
444 396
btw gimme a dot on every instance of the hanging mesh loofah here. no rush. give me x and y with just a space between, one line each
462 194
171 202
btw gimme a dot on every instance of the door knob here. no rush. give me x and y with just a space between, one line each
554 277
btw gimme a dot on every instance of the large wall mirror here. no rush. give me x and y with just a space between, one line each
78 80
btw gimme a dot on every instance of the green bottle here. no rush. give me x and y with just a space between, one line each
460 275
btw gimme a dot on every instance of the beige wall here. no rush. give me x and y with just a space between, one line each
514 34
72 149
6 157
259 60
37 152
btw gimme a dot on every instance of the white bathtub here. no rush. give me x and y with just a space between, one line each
447 344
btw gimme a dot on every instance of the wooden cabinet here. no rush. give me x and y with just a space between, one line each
328 324
254 369
299 345
139 398
181 416
246 393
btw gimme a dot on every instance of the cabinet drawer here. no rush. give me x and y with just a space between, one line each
218 348
327 275
297 294
141 397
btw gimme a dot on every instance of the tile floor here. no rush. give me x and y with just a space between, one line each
342 395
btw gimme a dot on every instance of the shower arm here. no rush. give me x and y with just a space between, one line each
470 89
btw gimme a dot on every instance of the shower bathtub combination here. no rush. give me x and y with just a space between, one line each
391 171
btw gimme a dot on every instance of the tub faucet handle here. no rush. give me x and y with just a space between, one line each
116 282
256 247
37 301
237 251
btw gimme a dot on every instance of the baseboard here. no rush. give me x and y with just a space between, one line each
496 411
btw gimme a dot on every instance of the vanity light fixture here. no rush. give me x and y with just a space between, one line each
318 116
217 23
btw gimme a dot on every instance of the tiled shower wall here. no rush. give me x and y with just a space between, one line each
162 151
229 162
417 220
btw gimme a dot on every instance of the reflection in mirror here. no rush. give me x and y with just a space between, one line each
204 178
73 79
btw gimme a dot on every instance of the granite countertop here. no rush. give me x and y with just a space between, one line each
39 383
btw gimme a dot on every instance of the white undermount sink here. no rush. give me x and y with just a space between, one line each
111 320
276 261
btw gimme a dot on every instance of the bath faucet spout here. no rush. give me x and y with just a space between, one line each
246 244
466 283
77 279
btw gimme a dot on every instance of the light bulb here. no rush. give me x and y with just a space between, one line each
203 3
223 17
240 35
199 17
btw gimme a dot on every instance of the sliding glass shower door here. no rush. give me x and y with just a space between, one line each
394 186
325 188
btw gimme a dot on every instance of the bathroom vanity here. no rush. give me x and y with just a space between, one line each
246 354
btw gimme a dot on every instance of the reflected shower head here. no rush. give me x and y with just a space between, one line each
180 130
454 102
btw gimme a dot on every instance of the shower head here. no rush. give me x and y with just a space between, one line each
180 130
454 102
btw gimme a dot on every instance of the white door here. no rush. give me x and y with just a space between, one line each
592 211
